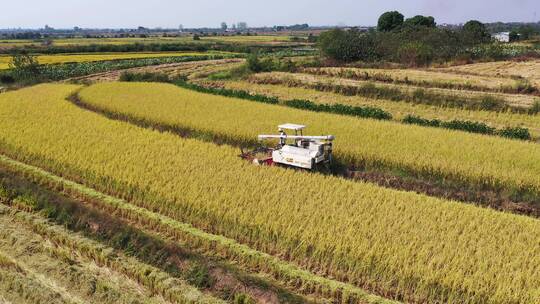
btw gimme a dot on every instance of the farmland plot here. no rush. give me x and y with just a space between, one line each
518 101
526 69
469 255
468 158
421 77
92 57
397 109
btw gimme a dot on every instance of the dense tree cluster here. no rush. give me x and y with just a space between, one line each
413 41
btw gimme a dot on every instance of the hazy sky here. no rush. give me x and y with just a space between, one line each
199 13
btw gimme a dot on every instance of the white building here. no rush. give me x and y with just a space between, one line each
502 36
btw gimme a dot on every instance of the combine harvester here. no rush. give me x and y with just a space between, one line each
306 152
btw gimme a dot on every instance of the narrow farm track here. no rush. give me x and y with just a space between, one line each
316 288
384 178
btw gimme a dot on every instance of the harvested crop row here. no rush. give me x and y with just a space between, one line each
77 249
171 69
464 158
526 69
424 78
382 243
18 286
73 276
397 109
405 93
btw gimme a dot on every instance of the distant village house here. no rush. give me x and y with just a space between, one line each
502 36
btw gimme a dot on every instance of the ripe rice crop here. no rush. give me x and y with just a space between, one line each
468 158
413 246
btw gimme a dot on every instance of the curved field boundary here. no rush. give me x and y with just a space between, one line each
286 272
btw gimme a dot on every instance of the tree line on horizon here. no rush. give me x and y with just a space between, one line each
414 41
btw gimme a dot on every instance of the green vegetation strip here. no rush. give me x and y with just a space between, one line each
284 271
365 112
469 126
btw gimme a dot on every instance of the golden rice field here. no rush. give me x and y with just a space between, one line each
92 41
527 69
515 100
90 57
6 43
398 109
468 158
431 77
420 248
249 39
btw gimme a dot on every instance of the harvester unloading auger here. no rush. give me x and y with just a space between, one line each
307 152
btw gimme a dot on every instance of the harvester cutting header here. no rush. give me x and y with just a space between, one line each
298 150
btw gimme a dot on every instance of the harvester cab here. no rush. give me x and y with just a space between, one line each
298 150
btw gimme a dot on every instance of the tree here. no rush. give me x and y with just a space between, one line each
346 45
24 67
224 26
390 21
242 26
415 54
476 32
526 32
514 36
420 20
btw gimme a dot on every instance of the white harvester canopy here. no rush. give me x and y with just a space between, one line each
299 150
290 126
